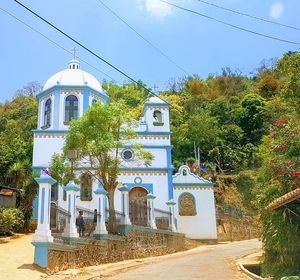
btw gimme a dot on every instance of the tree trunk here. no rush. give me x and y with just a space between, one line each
112 221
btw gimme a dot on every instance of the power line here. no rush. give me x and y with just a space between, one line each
229 24
90 51
145 39
248 15
53 42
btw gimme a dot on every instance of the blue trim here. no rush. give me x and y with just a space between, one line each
71 186
124 188
41 256
153 132
147 187
208 184
56 110
48 131
86 95
137 132
100 189
49 202
35 206
45 179
138 180
149 169
43 205
150 146
150 196
170 169
82 88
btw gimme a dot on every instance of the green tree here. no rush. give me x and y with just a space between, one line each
98 137
252 118
288 67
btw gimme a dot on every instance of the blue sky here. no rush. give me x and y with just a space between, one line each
197 44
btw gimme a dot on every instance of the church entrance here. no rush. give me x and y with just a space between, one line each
138 206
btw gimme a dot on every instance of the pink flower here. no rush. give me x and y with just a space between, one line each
296 174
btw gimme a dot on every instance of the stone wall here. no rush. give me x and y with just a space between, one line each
136 244
231 229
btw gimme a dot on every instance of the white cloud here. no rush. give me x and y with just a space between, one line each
155 7
276 10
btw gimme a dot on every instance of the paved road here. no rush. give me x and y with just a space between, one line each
215 262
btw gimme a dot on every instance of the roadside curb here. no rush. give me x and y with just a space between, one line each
250 274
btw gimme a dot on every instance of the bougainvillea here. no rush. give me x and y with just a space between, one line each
284 157
280 174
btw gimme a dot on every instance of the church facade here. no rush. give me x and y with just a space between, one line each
67 95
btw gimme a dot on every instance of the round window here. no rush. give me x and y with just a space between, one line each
127 154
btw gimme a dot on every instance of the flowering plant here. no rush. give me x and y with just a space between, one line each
284 155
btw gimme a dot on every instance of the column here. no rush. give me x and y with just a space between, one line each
101 196
43 232
150 210
70 229
125 204
171 203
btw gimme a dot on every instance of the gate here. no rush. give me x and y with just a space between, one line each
138 206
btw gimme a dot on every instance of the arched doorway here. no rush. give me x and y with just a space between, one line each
138 206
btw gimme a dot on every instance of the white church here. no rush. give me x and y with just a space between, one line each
186 199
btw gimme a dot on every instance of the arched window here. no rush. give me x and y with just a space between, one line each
157 118
47 113
187 205
71 108
184 172
86 186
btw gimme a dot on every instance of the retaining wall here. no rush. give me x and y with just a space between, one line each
81 252
230 229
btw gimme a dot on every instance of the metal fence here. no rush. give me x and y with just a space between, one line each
230 211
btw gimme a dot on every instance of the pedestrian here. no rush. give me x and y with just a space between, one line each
80 224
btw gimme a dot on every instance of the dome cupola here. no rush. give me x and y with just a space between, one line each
73 76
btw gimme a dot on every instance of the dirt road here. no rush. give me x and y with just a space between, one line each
16 258
215 262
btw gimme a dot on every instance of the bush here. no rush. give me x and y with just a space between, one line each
11 220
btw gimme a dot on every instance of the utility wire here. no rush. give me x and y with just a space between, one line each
248 15
90 51
229 24
53 42
145 39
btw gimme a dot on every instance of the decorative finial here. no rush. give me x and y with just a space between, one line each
74 50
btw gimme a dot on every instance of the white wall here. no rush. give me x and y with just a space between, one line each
44 148
203 225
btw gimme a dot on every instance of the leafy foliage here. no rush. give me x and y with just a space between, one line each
280 173
11 220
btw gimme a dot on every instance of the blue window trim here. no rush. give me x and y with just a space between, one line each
147 187
103 94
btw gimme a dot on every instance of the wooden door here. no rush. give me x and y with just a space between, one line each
138 206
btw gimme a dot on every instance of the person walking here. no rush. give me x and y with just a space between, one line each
80 224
